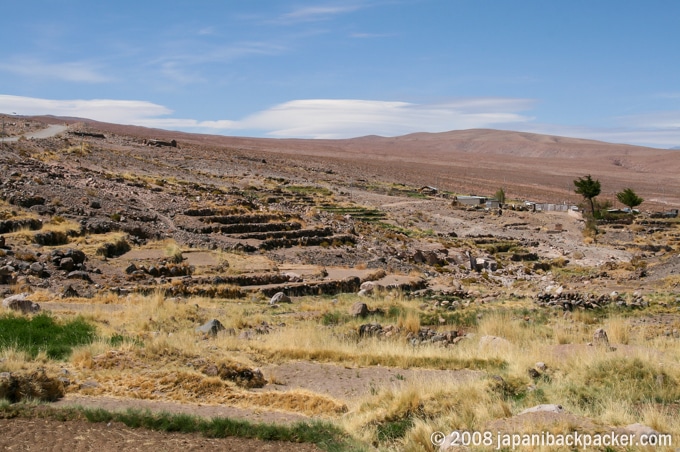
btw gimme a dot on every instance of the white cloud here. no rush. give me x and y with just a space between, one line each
107 110
343 118
312 118
654 120
315 13
658 138
71 72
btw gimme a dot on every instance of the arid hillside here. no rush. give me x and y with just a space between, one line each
528 166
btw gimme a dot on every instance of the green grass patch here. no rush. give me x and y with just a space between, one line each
636 380
364 214
309 190
390 431
416 194
334 318
465 319
118 339
44 333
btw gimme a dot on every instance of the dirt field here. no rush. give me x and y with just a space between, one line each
80 436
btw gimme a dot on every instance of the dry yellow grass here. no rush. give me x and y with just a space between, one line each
154 364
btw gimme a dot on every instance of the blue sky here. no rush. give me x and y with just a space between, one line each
600 69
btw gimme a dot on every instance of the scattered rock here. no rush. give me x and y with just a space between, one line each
359 309
600 337
493 343
212 327
640 429
70 292
280 297
368 287
19 302
293 277
67 264
546 408
370 329
37 269
79 274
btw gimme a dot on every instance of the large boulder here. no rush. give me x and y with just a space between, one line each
359 309
370 329
67 264
494 343
19 302
280 297
36 268
79 274
600 337
639 430
368 287
212 327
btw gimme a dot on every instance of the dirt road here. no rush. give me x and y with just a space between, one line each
50 131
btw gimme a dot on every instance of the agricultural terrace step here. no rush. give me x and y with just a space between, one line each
242 228
358 213
341 239
14 225
347 285
244 280
208 211
236 219
324 232
191 288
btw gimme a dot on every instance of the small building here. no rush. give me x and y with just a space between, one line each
673 213
493 204
471 200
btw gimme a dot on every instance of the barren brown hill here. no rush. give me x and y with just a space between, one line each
528 166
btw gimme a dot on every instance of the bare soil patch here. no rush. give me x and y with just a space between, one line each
82 436
350 383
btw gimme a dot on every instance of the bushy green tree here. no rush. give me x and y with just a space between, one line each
500 195
589 189
629 198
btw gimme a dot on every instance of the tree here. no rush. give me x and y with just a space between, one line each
500 195
588 188
629 198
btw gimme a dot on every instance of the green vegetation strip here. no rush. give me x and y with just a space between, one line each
323 434
43 333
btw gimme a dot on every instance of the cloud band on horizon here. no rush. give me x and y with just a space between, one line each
345 118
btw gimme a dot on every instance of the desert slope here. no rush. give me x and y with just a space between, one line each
531 166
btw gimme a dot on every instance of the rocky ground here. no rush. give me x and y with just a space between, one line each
89 216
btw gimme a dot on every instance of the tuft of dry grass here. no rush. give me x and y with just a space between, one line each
409 322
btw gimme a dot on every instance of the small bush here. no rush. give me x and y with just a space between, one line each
174 252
